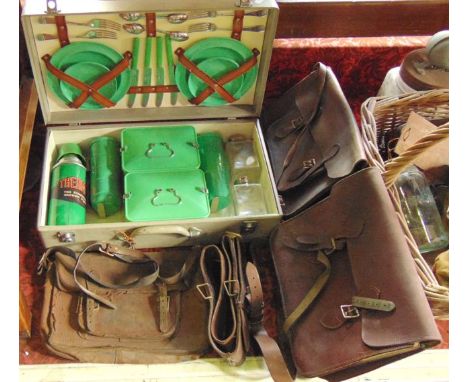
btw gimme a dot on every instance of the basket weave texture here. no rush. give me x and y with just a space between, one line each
379 115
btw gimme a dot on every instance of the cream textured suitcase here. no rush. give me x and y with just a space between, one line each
80 126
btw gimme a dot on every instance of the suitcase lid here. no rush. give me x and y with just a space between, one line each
243 62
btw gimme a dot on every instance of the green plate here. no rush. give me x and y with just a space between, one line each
153 196
171 148
210 48
78 57
87 72
74 52
216 68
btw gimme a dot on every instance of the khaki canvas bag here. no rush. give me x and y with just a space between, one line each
109 304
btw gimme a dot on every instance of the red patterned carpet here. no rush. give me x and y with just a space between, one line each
360 67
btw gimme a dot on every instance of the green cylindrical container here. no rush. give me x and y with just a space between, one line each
215 164
67 202
105 176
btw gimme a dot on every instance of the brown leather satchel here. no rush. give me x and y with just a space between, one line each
118 305
312 139
234 293
351 296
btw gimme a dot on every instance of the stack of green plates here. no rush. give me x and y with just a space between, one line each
87 61
217 57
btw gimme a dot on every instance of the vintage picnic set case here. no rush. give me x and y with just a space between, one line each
65 124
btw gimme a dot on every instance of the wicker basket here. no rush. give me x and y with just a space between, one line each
379 115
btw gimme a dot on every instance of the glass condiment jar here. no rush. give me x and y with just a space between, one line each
420 210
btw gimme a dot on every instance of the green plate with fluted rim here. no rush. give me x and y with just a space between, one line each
216 68
89 52
196 53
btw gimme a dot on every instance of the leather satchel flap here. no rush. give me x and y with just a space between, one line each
371 260
330 140
285 119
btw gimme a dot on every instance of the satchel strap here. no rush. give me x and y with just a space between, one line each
238 293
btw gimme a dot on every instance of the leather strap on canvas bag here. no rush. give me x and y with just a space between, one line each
127 255
237 292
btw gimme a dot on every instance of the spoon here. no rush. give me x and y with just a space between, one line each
131 16
134 28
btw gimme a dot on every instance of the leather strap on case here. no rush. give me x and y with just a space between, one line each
153 89
239 295
89 90
237 24
62 31
228 77
150 25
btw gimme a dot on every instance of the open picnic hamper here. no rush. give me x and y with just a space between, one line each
73 116
380 115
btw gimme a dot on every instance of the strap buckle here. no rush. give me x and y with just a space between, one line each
228 289
106 250
349 311
206 296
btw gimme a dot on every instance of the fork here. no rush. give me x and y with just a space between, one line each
96 33
94 23
211 27
178 18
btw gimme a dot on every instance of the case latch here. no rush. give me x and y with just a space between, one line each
248 226
52 8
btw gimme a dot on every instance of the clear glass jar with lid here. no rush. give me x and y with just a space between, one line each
420 210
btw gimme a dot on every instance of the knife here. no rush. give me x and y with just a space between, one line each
170 66
147 69
134 69
159 68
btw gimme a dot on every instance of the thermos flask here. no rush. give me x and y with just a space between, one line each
67 202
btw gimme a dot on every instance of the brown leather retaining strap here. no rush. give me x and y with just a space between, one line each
153 89
237 24
62 30
150 25
89 90
192 68
228 77
239 295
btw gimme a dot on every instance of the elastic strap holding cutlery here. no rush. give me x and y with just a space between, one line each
93 89
62 30
150 24
237 24
213 85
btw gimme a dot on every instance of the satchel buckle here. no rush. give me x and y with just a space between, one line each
349 311
309 163
202 287
106 250
297 122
